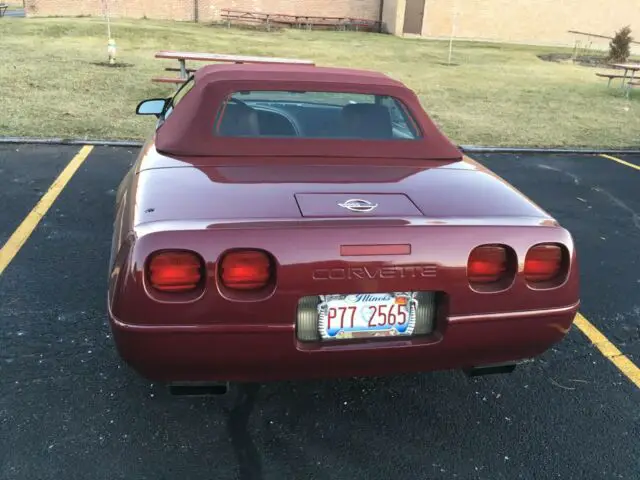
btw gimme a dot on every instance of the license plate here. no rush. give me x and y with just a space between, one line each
367 315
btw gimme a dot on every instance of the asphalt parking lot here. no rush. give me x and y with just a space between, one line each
70 409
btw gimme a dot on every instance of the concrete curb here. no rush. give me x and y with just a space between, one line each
69 141
549 150
465 148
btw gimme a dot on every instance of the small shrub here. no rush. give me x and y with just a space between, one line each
619 47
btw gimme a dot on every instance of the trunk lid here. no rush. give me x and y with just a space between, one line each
337 205
273 190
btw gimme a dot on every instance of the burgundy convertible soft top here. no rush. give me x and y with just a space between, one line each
189 130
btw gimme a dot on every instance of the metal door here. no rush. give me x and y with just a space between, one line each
413 15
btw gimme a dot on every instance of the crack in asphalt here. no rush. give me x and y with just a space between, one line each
249 462
574 177
619 203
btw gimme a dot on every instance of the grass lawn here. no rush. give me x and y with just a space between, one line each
53 86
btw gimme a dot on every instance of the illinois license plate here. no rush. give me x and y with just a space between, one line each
367 315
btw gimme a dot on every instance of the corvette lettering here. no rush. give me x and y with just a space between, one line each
374 273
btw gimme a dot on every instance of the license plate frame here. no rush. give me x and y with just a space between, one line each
345 323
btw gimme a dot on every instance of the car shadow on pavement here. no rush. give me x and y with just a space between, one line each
249 464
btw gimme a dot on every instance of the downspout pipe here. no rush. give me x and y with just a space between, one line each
380 16
196 11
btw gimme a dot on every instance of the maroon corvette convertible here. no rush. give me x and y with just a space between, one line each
291 222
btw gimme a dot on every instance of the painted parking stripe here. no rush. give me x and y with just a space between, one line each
619 160
608 349
602 343
29 224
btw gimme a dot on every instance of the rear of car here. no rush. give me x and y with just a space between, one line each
278 281
314 228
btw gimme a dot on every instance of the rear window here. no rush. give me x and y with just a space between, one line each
331 115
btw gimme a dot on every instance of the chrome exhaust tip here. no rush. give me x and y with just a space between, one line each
198 389
490 369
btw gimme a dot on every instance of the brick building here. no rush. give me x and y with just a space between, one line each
204 10
526 21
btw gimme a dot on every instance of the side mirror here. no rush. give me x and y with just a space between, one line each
153 106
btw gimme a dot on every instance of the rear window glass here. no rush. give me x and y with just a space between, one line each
315 115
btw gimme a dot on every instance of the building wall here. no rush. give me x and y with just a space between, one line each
528 21
170 9
393 16
207 9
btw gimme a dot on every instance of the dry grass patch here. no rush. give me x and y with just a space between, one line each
497 94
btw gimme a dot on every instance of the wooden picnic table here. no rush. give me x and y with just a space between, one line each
183 57
627 67
299 21
627 81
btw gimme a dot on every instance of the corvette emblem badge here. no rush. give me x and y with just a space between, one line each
358 205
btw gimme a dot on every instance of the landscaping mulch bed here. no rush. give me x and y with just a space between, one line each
584 60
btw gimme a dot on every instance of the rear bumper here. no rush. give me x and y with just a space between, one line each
263 353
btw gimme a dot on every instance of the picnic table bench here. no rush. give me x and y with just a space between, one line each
183 57
628 81
3 9
299 21
610 76
627 67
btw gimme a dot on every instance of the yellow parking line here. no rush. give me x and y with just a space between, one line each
29 224
619 160
608 349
